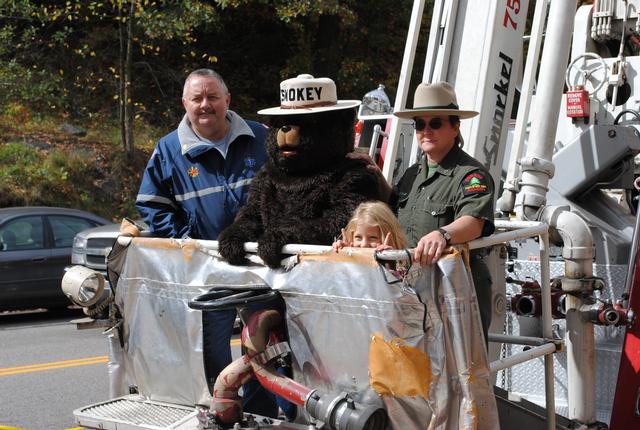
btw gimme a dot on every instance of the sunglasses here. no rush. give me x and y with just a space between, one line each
434 124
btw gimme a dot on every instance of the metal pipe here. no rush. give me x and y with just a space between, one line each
518 340
435 38
521 357
549 393
508 236
611 9
377 132
580 343
436 72
506 202
535 177
595 20
520 230
512 224
545 280
402 93
577 241
547 330
631 266
620 58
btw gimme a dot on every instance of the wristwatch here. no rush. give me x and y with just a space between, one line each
446 235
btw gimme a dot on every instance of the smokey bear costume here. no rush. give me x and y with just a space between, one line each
307 190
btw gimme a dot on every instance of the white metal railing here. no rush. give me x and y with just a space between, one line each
548 346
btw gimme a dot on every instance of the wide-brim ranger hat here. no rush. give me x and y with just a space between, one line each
433 100
305 94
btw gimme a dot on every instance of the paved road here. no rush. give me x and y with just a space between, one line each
48 368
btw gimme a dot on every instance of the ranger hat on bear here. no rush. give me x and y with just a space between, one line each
306 94
435 99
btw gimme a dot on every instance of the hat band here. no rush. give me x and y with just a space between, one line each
449 106
309 105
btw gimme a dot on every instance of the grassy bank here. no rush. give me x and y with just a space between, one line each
41 165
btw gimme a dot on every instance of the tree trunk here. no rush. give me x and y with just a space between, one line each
121 97
128 90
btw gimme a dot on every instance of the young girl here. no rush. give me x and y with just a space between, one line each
373 225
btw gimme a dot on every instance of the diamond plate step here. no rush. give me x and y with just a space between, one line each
132 413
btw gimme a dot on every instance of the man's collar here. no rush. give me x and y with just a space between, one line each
194 145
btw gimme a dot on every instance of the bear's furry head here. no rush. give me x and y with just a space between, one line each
310 142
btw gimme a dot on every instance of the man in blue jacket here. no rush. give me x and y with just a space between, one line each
197 179
199 175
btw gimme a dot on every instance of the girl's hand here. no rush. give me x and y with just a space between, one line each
342 242
386 244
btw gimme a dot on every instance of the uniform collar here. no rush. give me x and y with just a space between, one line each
449 162
193 145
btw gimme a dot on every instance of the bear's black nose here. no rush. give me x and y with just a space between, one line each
285 128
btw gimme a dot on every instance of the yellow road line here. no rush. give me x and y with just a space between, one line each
53 365
100 359
19 428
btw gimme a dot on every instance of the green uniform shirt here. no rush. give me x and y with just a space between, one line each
460 186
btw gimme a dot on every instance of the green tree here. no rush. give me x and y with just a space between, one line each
127 59
78 55
357 43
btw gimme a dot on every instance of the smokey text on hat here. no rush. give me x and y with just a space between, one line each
300 94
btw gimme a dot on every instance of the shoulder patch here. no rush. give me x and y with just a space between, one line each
474 183
193 171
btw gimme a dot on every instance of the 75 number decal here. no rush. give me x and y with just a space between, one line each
514 6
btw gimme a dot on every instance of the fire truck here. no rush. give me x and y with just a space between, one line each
559 130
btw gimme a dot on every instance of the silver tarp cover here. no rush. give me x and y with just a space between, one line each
414 346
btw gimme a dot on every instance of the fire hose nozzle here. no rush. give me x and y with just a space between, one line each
343 413
527 305
610 315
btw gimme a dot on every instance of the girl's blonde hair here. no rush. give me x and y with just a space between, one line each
377 214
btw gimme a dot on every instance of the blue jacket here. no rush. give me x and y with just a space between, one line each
189 189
